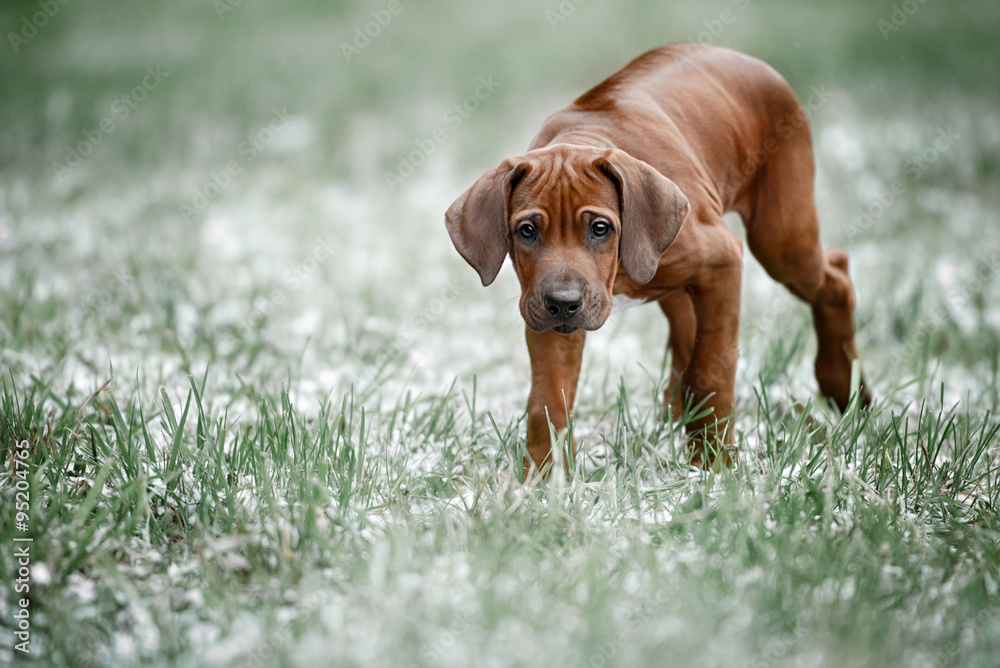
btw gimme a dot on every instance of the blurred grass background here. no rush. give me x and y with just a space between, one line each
307 280
228 71
231 65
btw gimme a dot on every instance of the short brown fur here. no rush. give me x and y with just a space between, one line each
624 192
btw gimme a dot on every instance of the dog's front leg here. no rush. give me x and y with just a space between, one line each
555 369
711 374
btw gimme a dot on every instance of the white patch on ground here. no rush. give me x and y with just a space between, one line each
844 143
83 587
222 235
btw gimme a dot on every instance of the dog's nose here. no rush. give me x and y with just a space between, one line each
563 304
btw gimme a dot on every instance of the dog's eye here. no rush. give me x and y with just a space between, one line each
600 228
527 231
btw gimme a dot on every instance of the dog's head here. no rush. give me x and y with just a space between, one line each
567 215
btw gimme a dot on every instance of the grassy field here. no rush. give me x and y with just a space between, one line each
255 410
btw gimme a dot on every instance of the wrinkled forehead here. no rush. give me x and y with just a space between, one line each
560 183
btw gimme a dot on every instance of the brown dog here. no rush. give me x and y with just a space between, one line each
623 192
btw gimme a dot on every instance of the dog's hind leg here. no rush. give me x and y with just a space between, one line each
783 234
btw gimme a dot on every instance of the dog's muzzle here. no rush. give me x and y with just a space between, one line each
564 309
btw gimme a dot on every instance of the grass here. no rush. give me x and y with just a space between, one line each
401 535
274 434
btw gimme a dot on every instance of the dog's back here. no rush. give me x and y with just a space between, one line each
692 112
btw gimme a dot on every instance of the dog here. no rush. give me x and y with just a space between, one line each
622 193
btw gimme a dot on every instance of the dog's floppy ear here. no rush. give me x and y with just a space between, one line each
652 209
477 221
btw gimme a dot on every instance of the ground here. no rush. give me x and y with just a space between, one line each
256 410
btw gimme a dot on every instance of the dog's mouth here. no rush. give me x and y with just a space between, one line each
589 317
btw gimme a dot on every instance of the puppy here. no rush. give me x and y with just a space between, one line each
623 192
